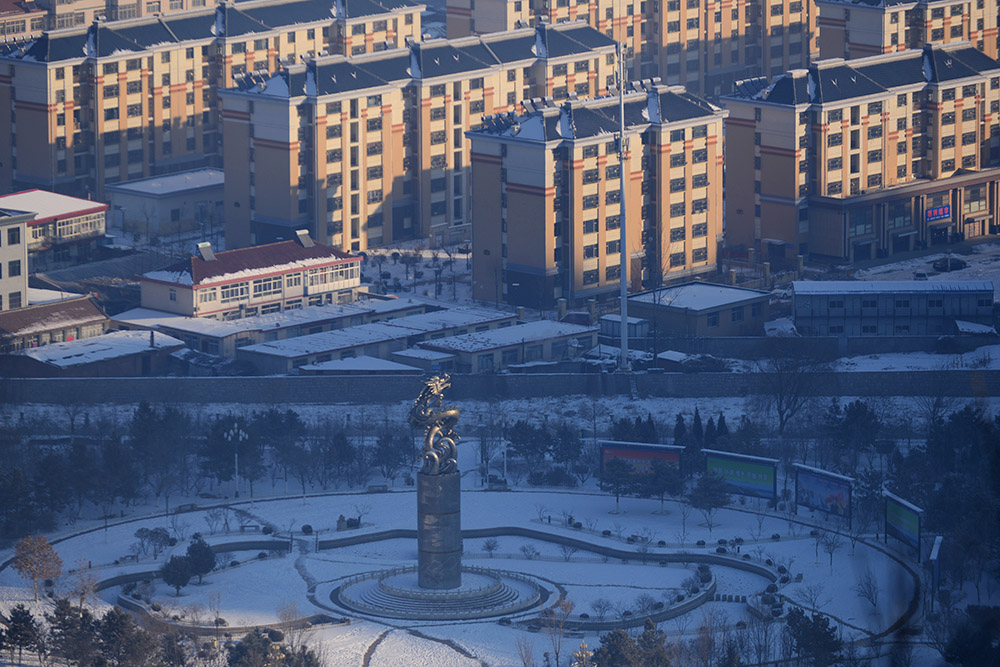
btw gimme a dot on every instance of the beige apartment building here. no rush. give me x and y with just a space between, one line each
866 157
702 45
372 149
14 258
851 29
125 100
553 228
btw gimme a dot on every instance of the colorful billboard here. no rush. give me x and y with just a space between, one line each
640 455
823 491
746 475
902 521
938 213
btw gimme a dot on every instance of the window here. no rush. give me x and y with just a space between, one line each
677 210
836 139
590 251
13 268
736 314
712 320
590 201
612 222
875 132
591 277
374 124
590 226
677 259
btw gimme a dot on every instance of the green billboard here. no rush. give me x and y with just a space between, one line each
745 475
902 521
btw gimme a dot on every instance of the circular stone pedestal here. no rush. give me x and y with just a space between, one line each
396 594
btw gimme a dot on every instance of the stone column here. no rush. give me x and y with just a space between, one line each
439 531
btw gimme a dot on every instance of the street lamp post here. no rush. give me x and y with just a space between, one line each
236 435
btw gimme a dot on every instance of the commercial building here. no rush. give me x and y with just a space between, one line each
702 309
704 46
64 229
170 203
253 281
115 354
371 149
853 29
46 323
124 100
867 157
539 341
552 228
13 258
890 308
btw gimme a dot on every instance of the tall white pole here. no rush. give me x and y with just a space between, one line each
623 226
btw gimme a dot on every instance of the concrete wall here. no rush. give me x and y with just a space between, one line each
373 388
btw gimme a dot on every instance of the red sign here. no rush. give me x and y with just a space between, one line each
640 458
938 213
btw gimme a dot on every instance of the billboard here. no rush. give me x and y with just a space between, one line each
745 475
823 491
640 455
938 213
902 521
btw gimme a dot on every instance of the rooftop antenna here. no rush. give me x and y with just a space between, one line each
622 227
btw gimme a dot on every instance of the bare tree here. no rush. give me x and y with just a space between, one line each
529 551
490 546
787 380
601 607
34 559
867 588
686 511
525 650
832 543
812 596
362 509
555 625
213 518
288 614
83 583
567 551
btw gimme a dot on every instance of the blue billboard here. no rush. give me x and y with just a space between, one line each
823 491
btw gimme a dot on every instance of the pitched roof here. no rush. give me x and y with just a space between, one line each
49 317
244 262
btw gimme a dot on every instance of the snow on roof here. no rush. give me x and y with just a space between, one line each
360 363
146 317
644 445
835 287
529 332
820 471
616 317
390 305
449 319
100 348
177 277
65 314
783 327
338 339
37 295
973 328
733 455
673 355
170 184
601 351
420 353
50 205
698 296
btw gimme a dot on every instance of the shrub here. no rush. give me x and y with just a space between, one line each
537 478
722 542
276 636
606 533
307 529
630 539
129 587
680 597
785 579
172 541
626 613
559 477
700 543
813 533
135 596
262 555
233 563
721 550
741 625
738 540
767 599
585 616
661 543
769 562
695 590
705 577
776 612
772 588
658 606
49 583
267 530
775 537
354 523
578 525
504 621
155 607
782 569
746 556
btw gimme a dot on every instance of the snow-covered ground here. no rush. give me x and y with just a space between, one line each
983 264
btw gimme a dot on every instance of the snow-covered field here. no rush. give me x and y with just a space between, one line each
983 264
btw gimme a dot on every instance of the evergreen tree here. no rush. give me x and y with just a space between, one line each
618 478
123 643
721 429
697 432
200 556
617 649
815 640
680 430
652 645
22 631
72 635
710 433
176 572
708 496
172 650
662 480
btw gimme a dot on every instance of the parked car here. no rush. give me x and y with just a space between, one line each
949 264
920 275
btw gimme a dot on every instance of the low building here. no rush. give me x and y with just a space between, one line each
362 365
221 337
13 258
61 321
170 203
890 307
378 339
116 354
430 361
252 281
539 341
702 309
65 229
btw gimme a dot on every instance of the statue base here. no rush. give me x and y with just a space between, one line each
439 531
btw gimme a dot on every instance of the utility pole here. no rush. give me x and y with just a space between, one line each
623 226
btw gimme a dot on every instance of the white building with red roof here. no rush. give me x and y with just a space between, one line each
253 281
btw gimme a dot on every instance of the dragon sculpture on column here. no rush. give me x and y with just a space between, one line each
440 452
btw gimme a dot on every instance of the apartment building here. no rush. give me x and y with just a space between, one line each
553 228
63 230
242 283
13 258
125 100
371 149
702 45
867 157
21 18
850 29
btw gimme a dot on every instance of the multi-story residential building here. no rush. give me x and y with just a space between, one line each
129 99
890 307
851 29
867 157
21 18
553 229
371 149
704 46
64 229
253 281
13 258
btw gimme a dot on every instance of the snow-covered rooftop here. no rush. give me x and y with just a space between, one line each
835 287
358 364
698 296
338 339
421 353
450 319
49 205
973 328
100 348
529 332
615 317
170 184
146 317
38 295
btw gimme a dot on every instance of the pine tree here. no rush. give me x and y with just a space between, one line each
721 429
814 638
617 649
172 650
123 643
680 430
200 556
73 635
697 432
710 433
652 644
22 631
176 572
